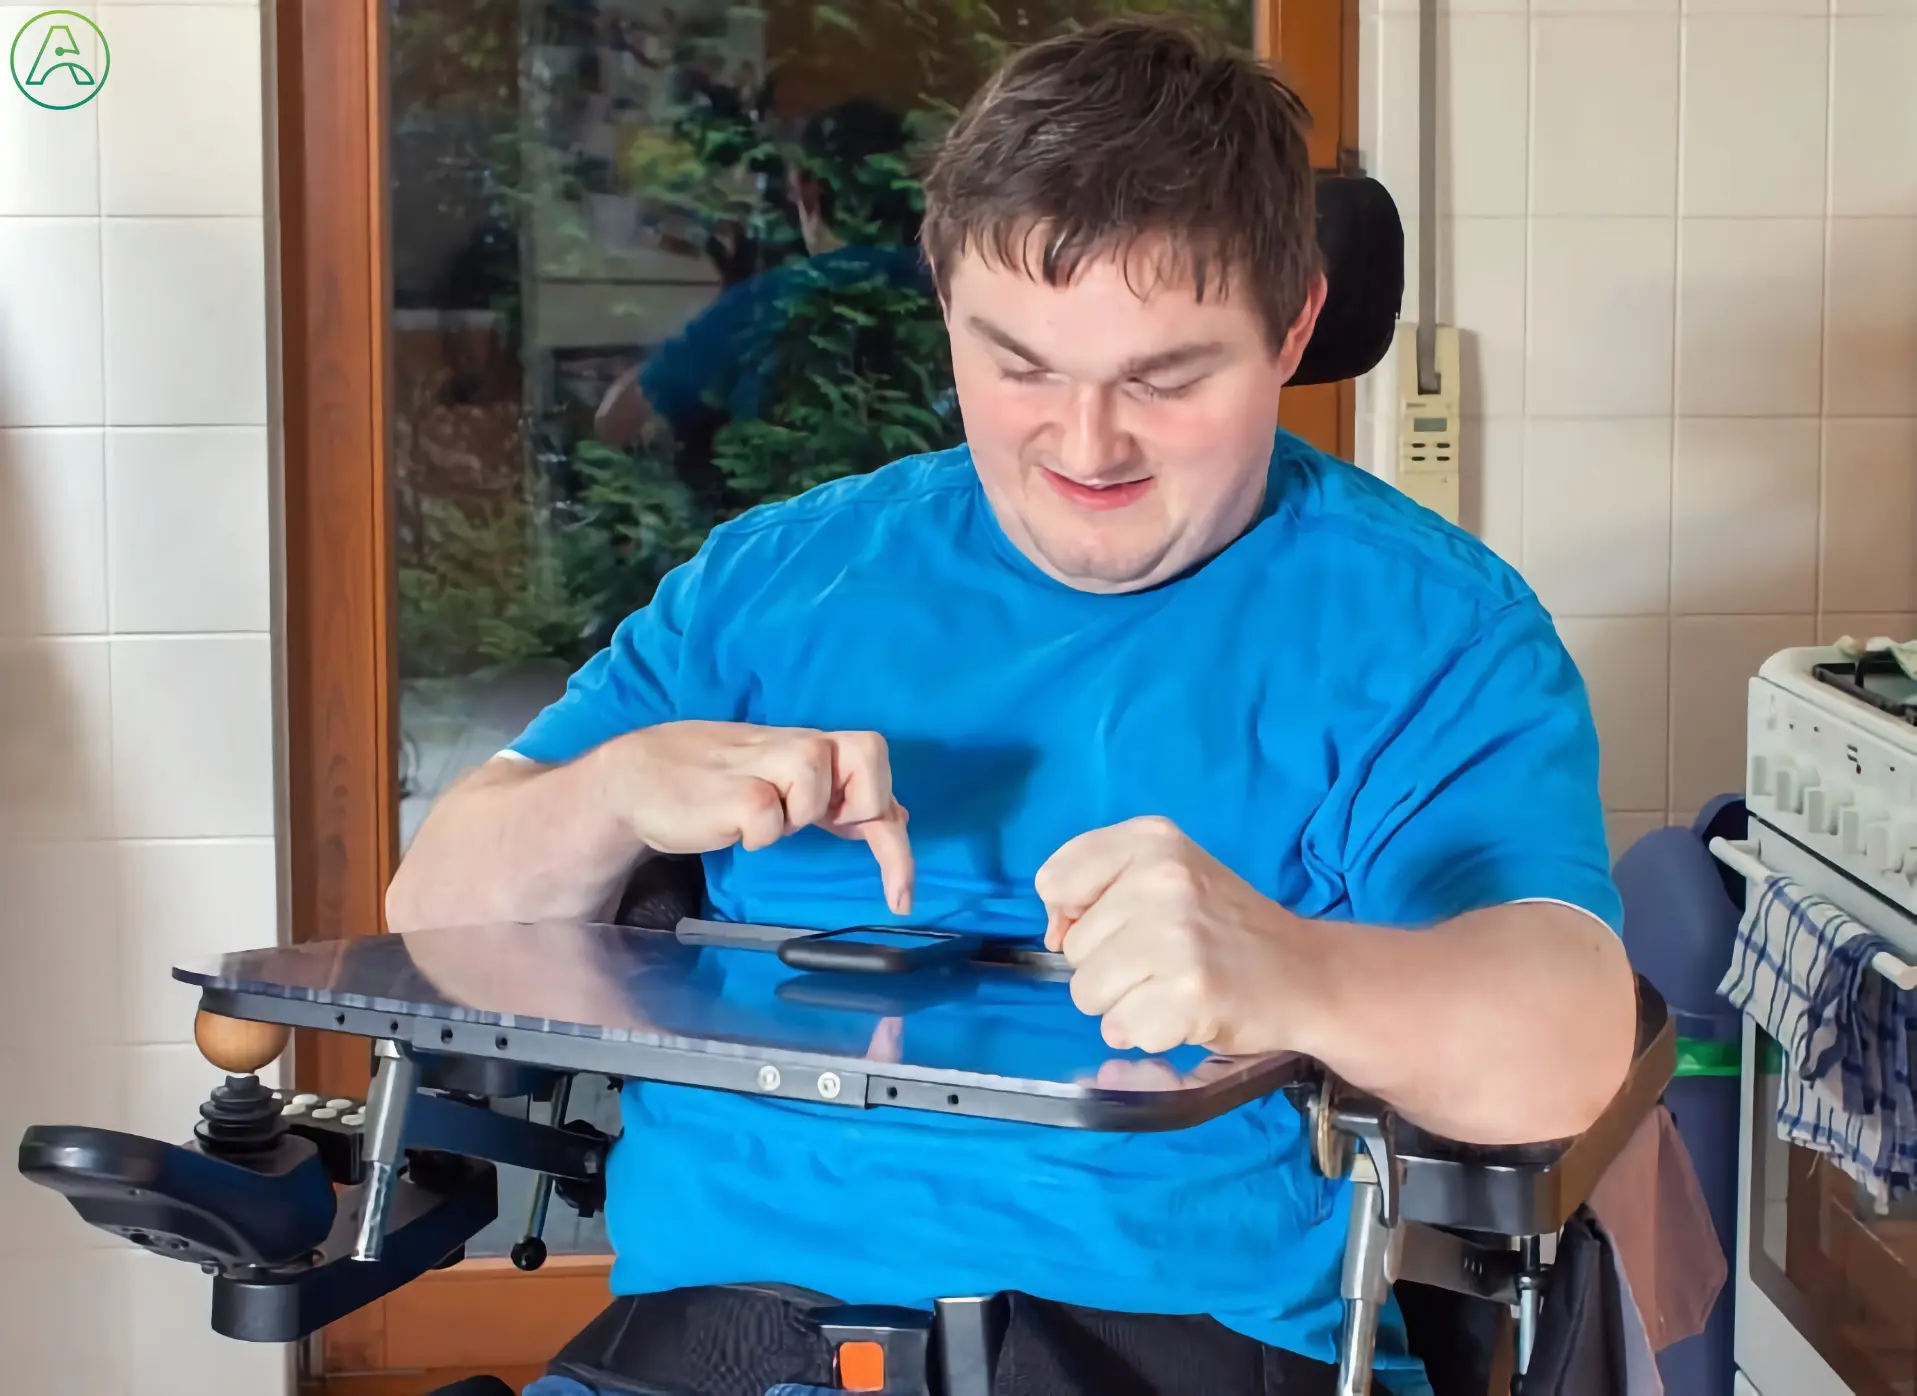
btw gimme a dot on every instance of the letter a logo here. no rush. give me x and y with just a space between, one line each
60 60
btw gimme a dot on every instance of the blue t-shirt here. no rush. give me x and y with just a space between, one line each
1358 708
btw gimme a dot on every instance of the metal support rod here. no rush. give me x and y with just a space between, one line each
1370 1266
394 1077
1427 345
542 1185
1530 1281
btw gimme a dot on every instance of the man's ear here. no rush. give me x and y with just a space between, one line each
1299 335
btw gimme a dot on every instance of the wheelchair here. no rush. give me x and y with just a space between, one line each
302 1211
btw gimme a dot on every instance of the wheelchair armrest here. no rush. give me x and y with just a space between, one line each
270 1209
1532 1189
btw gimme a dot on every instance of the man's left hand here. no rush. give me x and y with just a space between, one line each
1169 946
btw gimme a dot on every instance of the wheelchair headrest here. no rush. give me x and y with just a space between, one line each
1362 240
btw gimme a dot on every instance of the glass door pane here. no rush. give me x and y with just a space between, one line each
1841 1267
652 264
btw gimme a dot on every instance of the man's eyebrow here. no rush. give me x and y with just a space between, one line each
1179 356
985 329
1183 356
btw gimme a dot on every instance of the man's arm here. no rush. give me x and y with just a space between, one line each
551 843
1508 1025
515 841
1474 979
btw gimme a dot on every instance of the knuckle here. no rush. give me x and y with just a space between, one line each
758 799
1174 879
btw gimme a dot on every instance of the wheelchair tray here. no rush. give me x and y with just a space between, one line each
709 1006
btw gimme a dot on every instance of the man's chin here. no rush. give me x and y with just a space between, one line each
1100 569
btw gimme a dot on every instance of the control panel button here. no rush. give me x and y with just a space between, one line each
1879 855
1785 786
1817 810
1850 830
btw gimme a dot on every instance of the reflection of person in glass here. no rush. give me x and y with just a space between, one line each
716 367
1278 759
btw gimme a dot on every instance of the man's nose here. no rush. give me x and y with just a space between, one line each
1094 443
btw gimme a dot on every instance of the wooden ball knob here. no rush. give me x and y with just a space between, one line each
235 1046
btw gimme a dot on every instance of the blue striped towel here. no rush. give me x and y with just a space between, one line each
1801 970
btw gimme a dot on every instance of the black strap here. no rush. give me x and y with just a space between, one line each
741 1340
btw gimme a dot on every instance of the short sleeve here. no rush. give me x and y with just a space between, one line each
631 683
1485 789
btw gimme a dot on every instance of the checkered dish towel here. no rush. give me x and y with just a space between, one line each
1801 970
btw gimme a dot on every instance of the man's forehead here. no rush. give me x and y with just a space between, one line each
1151 265
1107 314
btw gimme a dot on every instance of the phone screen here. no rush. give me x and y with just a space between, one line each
891 940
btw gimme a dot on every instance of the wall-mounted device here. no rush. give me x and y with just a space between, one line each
1428 422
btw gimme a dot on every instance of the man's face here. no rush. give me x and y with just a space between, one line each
1120 437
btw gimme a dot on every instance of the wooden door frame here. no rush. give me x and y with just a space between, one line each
342 709
341 705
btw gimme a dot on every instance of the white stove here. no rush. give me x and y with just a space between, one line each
1826 1287
1831 785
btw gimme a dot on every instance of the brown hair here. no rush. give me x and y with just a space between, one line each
1127 130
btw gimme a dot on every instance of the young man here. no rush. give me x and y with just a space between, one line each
1279 760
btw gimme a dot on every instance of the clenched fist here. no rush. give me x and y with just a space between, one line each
1168 946
696 787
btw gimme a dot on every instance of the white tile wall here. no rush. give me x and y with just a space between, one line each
187 524
1603 114
1601 317
136 760
1689 332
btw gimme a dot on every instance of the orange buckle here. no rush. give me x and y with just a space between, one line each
861 1366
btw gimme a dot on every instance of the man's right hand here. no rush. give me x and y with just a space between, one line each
696 787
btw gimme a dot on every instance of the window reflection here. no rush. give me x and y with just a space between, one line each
652 264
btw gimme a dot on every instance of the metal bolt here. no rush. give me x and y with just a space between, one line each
829 1085
768 1077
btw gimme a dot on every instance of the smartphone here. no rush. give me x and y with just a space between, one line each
876 950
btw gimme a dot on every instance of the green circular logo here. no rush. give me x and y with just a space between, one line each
60 60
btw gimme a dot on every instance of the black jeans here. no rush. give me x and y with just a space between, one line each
740 1341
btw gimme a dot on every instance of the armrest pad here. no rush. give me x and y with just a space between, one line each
1531 1189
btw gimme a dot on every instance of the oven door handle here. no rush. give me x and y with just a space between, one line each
1741 857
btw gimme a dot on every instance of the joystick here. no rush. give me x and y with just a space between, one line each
242 1116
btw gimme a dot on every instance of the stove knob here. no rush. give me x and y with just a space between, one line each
1759 781
1784 786
1819 812
1850 829
1878 854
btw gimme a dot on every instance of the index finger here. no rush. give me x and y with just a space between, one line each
887 839
861 777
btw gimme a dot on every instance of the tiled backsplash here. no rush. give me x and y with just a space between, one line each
1679 238
137 763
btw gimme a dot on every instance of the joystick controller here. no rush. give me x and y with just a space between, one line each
242 1116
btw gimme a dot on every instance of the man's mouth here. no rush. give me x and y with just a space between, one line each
1112 496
